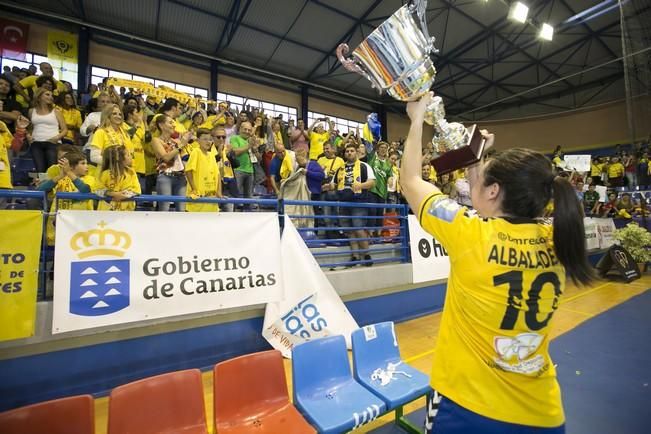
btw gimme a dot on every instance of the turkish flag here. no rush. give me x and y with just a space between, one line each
13 39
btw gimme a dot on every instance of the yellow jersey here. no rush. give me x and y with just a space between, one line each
127 183
65 185
137 141
331 165
107 137
505 283
72 118
5 167
615 170
316 144
205 173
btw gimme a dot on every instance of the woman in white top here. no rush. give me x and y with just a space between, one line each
48 128
171 173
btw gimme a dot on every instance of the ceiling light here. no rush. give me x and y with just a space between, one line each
546 32
518 12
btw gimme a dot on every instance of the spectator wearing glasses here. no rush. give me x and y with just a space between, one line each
227 162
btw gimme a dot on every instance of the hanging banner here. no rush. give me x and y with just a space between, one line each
311 308
62 46
579 163
591 233
429 259
13 39
121 267
605 232
20 254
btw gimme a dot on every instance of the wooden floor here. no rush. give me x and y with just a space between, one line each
417 338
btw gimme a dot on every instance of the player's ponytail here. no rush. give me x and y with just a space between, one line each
569 233
527 184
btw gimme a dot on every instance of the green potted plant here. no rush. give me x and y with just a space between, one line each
637 241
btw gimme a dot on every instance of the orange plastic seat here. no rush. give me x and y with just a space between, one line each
73 415
164 404
251 396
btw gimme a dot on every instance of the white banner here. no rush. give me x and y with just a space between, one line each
580 163
311 307
121 267
429 259
603 193
606 232
591 233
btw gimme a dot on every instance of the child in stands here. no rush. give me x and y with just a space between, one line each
118 179
202 173
71 177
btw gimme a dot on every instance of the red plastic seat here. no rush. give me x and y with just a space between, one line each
251 396
72 415
164 404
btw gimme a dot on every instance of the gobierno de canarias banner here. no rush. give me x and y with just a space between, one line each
121 267
20 254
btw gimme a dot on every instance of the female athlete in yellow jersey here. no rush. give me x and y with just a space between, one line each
491 363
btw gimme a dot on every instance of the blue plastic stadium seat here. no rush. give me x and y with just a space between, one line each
378 367
325 391
20 169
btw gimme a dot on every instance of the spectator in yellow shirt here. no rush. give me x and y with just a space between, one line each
318 136
118 180
72 117
5 168
110 133
27 84
202 173
615 172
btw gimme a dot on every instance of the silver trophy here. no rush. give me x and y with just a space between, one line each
395 58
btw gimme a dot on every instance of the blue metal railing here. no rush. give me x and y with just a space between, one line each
327 250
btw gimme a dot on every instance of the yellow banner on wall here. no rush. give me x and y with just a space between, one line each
62 46
20 252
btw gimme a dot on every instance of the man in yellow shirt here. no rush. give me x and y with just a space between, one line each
30 83
318 136
330 164
615 172
202 173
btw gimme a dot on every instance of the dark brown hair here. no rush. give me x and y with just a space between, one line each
527 185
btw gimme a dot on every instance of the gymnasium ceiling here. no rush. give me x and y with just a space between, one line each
484 59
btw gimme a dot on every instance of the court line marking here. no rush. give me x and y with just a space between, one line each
563 308
574 297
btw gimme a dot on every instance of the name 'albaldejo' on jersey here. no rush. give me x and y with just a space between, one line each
512 257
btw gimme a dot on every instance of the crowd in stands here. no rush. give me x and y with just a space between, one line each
616 175
122 143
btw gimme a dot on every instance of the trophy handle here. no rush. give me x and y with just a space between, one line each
420 7
352 65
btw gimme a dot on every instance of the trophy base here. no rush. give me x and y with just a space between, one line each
467 155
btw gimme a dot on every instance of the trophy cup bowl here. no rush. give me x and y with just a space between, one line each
395 58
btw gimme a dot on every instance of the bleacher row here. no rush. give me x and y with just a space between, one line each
250 394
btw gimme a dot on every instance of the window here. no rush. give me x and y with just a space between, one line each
343 125
269 108
98 74
62 70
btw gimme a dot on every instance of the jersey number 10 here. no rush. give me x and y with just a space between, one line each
514 303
